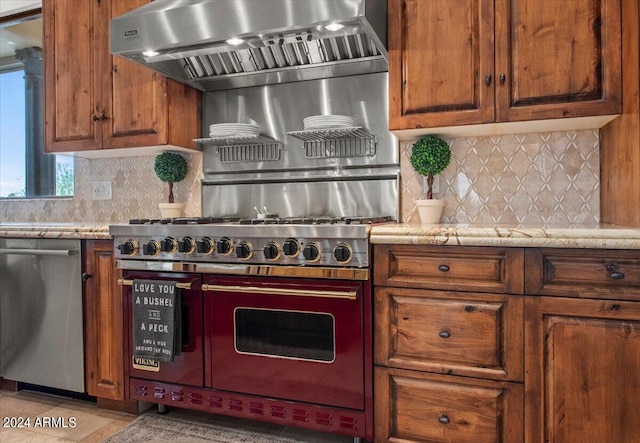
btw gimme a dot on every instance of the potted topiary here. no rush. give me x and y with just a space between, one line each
171 168
430 156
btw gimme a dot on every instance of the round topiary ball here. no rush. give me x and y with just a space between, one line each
430 155
170 167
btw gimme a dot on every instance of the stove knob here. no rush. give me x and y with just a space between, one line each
311 252
169 244
224 246
342 253
151 248
291 247
187 245
130 247
205 246
271 251
244 250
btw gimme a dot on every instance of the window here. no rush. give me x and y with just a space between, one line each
25 170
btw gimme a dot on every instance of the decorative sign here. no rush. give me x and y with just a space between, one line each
156 306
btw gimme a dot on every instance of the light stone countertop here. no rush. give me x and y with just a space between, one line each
572 236
87 231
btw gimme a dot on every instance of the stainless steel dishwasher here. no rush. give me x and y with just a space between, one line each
41 333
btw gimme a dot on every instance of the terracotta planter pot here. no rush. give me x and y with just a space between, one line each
430 210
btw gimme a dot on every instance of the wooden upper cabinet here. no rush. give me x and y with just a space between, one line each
72 96
96 101
438 52
462 62
559 59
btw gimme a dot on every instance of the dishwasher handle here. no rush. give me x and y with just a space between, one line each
40 252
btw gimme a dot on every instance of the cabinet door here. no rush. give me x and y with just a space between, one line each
440 54
135 106
417 407
103 323
559 59
582 368
72 90
471 334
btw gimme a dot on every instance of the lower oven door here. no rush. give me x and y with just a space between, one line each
298 340
187 366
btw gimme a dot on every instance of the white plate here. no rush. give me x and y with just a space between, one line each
226 129
328 121
234 134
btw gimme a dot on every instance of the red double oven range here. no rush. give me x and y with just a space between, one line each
275 318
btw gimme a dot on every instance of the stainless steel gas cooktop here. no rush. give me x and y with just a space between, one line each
269 240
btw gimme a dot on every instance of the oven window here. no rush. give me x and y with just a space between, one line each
286 334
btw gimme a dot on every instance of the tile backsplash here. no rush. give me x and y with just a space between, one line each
549 178
135 189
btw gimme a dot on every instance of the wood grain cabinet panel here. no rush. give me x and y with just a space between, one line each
97 101
448 343
461 62
104 326
590 273
437 52
421 407
582 370
462 268
450 332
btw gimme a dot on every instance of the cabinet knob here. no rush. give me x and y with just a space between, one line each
444 334
94 118
487 79
102 117
503 78
443 268
444 419
616 275
85 276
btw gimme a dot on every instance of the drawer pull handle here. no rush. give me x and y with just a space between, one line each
444 419
443 268
444 334
616 275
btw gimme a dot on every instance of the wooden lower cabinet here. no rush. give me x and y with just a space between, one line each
449 332
582 370
424 407
104 365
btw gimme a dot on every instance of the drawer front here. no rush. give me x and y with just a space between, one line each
583 273
416 407
462 268
471 334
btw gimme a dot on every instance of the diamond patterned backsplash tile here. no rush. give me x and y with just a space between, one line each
549 178
135 189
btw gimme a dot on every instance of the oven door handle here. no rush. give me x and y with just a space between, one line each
349 295
123 282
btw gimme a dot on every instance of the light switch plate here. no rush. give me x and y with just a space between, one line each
101 190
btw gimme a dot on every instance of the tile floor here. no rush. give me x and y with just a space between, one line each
94 425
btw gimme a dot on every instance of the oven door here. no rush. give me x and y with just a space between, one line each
299 340
187 367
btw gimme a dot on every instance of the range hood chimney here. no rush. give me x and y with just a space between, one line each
225 44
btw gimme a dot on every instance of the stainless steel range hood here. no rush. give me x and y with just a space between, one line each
276 41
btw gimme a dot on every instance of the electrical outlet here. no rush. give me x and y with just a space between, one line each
101 190
436 185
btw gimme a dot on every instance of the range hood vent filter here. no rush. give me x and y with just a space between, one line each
326 50
281 40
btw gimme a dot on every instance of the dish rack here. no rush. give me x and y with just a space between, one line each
244 149
352 141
